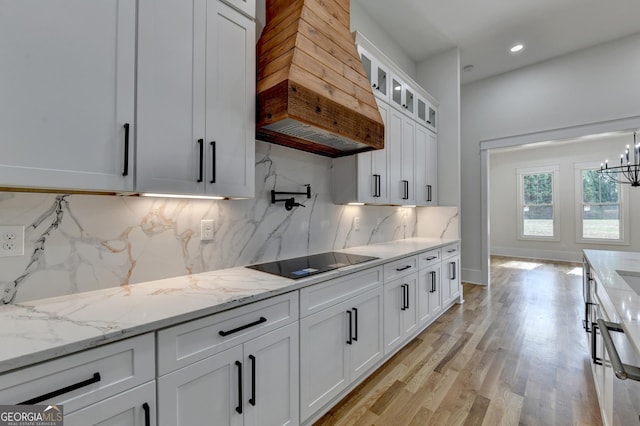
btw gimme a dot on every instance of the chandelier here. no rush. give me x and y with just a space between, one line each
628 172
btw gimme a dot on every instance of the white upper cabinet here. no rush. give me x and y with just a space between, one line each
401 146
67 78
363 178
426 167
426 113
403 96
377 73
196 99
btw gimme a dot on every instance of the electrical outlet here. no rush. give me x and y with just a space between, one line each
356 223
11 241
207 229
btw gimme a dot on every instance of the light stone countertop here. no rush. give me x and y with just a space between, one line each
40 330
620 301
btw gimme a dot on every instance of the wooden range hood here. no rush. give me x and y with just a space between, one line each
313 93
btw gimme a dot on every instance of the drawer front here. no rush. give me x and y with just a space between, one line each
451 250
400 268
429 258
195 340
321 296
87 377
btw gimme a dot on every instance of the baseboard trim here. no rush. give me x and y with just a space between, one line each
563 256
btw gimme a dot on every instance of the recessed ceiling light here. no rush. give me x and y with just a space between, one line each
467 68
516 48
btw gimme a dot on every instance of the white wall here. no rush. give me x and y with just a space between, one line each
503 204
596 84
362 22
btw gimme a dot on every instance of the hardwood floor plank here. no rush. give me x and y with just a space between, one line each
513 354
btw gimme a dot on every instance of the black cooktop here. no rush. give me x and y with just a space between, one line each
304 266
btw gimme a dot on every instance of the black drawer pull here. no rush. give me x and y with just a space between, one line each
405 289
125 172
239 407
431 257
452 250
406 189
429 198
453 271
404 268
95 379
147 414
243 327
376 186
433 281
350 341
252 400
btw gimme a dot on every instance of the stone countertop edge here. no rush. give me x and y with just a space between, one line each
618 295
43 329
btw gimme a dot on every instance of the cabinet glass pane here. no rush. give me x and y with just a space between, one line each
432 117
422 110
409 99
366 63
382 81
397 92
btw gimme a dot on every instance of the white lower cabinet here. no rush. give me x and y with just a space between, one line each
451 279
135 407
255 383
108 385
400 311
429 293
337 346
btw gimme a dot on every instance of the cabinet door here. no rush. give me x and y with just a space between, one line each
230 102
171 96
394 147
428 293
377 74
324 362
271 373
373 176
367 346
452 286
206 392
408 159
67 91
426 163
410 317
135 407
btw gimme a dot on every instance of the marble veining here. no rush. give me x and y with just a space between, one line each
78 243
42 329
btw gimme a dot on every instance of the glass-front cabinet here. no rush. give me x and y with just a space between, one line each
377 74
426 113
403 96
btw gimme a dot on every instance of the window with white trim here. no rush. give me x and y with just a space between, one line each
601 214
537 203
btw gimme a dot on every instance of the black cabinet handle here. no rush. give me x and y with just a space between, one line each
406 189
147 414
355 317
243 327
213 162
350 341
239 407
404 297
95 379
431 257
407 299
452 275
452 250
201 167
594 356
376 186
252 400
125 172
433 281
404 268
429 193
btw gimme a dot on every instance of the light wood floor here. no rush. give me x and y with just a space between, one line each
515 354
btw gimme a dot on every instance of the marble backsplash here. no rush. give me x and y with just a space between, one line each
77 243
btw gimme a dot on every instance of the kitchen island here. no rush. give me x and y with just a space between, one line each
613 324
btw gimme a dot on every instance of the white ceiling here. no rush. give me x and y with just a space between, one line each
484 30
